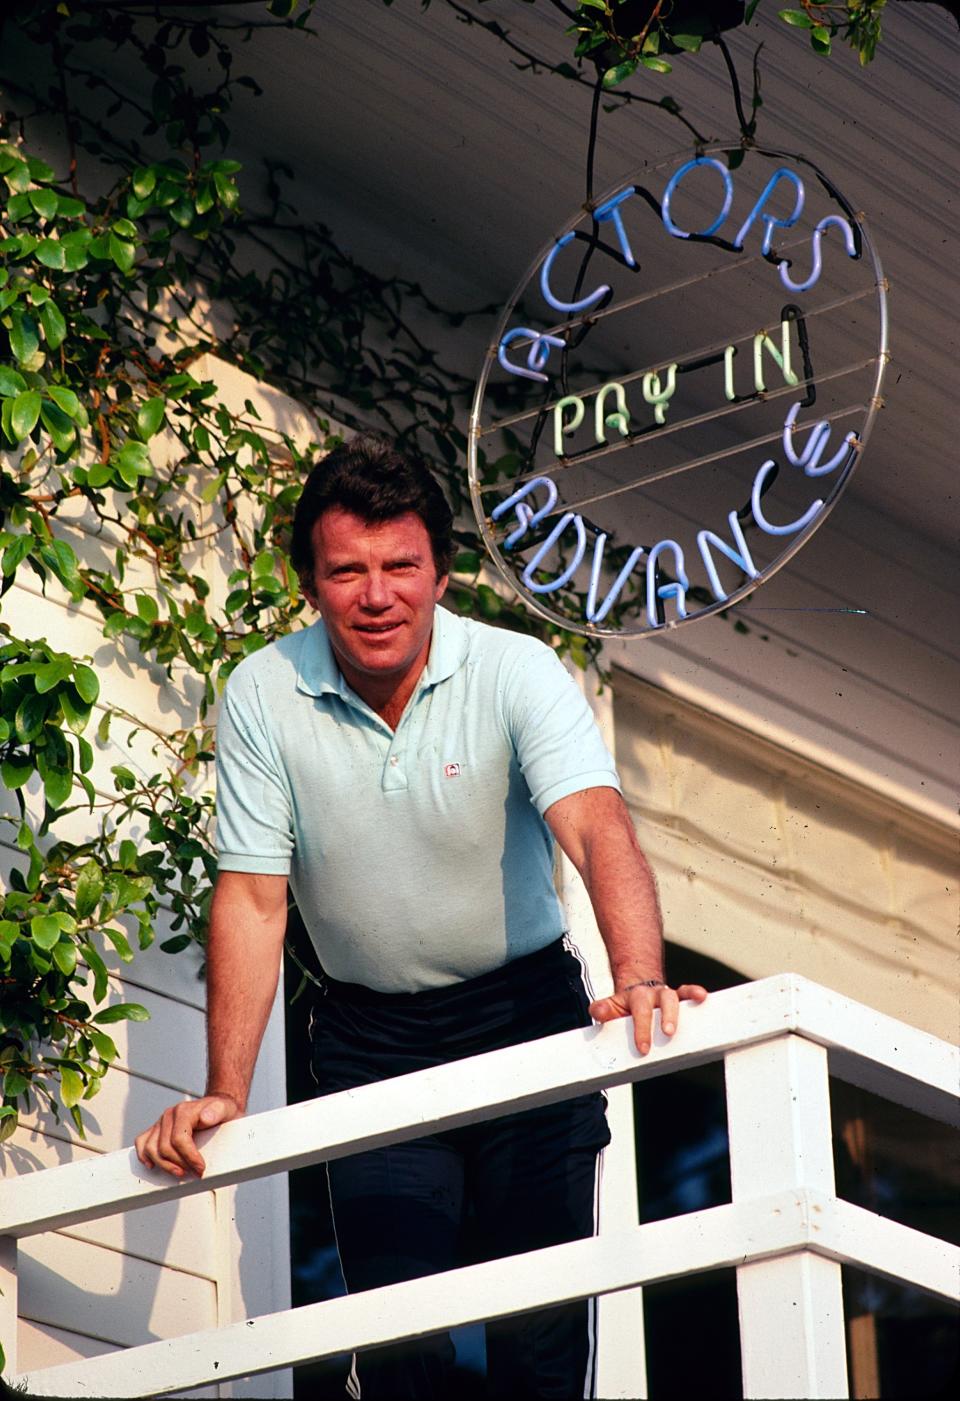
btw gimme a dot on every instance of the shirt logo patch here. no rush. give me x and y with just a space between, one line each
451 770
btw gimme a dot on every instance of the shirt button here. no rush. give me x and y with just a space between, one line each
394 761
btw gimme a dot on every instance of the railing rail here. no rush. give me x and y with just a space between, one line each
785 1229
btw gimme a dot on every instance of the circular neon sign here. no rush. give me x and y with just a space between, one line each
678 392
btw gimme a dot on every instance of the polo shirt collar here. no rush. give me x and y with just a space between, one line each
318 673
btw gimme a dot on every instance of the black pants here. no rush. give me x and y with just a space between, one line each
498 1188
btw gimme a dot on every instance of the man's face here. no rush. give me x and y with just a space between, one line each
375 585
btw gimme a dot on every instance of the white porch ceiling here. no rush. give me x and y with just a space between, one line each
426 151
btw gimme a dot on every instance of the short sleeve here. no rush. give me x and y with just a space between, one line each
555 737
254 811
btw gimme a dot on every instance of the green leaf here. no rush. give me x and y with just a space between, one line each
144 181
124 228
147 607
619 73
9 1119
657 65
85 680
227 190
65 399
12 382
692 43
177 944
122 252
62 560
45 930
99 969
71 1086
122 1012
24 340
16 552
85 753
104 1045
16 770
75 712
18 176
120 943
14 1084
800 18
89 889
45 202
103 729
25 412
132 462
51 674
31 713
49 252
65 957
70 208
58 425
57 786
593 5
150 417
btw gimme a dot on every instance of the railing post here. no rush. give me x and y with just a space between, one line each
791 1308
9 1318
621 1348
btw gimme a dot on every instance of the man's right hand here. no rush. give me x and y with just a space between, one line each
169 1143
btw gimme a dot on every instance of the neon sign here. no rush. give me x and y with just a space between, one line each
705 394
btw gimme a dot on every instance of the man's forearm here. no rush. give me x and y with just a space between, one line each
594 829
247 925
623 893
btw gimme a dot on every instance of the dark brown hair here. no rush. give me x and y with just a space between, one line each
374 480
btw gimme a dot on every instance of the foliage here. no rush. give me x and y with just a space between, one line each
634 34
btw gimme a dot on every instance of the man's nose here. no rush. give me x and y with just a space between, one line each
376 591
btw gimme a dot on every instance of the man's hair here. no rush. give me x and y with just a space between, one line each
373 480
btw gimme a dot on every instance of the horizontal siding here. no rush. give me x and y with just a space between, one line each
107 1294
770 864
42 1345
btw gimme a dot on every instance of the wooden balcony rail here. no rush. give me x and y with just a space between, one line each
785 1230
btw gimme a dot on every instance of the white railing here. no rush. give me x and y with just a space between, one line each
785 1229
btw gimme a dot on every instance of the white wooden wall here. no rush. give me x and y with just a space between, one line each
769 862
215 1258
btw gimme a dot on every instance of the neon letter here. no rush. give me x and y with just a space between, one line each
655 394
739 555
761 520
677 590
537 355
620 419
669 192
595 614
559 427
547 546
550 299
824 224
609 212
809 458
729 389
771 222
525 517
761 343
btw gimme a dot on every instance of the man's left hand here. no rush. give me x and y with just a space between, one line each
637 1001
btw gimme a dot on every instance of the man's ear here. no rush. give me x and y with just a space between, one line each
306 588
441 588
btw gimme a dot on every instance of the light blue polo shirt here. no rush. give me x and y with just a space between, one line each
418 857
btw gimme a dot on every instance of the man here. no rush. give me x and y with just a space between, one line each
407 771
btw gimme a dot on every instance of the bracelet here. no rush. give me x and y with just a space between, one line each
646 983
